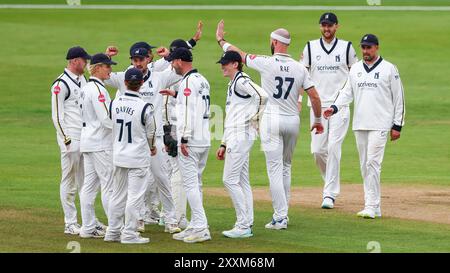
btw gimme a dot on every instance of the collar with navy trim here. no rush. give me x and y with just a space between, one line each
369 68
189 73
234 78
97 80
332 47
72 76
147 75
132 94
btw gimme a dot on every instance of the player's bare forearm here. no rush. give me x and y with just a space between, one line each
198 33
315 102
220 33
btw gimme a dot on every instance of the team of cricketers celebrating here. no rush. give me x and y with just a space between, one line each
145 150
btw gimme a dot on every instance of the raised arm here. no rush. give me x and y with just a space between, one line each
226 46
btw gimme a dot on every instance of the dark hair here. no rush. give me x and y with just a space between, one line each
133 85
240 66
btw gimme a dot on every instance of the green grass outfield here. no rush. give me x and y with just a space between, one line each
34 44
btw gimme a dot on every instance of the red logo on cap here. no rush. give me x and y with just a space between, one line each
187 92
252 57
101 98
56 90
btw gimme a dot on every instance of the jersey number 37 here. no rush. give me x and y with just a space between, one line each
279 87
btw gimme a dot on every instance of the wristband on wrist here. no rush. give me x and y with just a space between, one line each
221 41
317 119
192 42
335 109
226 46
397 127
183 140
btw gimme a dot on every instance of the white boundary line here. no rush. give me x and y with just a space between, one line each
230 7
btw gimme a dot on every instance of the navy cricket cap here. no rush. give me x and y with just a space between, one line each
230 56
77 52
181 53
102 58
328 18
178 43
134 75
369 40
141 45
139 52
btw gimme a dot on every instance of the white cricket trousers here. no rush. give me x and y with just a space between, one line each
151 199
237 181
191 168
278 139
178 192
371 145
98 174
327 149
159 171
72 175
126 199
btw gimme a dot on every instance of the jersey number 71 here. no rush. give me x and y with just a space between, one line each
128 125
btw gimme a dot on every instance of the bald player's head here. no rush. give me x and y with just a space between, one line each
279 38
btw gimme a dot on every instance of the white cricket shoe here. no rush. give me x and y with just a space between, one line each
277 225
198 236
148 220
96 234
141 226
111 238
172 228
237 232
328 203
100 226
185 233
369 213
136 240
183 223
72 229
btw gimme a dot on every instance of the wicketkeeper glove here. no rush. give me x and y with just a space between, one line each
169 141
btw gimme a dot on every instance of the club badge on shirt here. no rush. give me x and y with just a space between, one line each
56 90
101 98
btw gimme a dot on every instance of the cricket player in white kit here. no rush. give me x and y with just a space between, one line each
374 85
134 139
170 138
192 110
282 78
328 60
66 116
154 81
96 145
244 108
